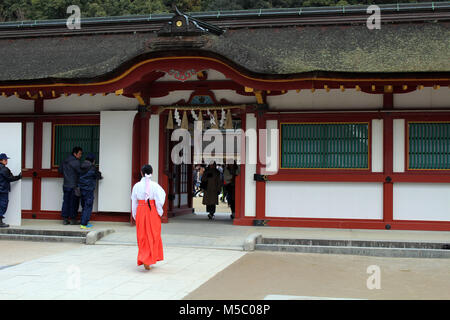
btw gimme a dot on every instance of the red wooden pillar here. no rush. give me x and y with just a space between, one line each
139 146
37 157
163 179
388 187
240 180
260 207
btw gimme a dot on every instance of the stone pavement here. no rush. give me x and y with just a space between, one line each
110 272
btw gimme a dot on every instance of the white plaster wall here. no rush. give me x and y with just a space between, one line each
377 145
13 104
233 97
153 148
29 145
11 144
425 98
27 194
399 145
250 169
172 97
334 200
321 99
422 201
215 75
88 103
116 132
52 195
46 145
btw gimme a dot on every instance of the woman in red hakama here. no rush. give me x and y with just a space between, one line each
147 208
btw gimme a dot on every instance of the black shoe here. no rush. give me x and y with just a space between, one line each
232 216
66 222
210 216
3 225
74 222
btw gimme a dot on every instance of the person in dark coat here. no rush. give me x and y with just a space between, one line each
87 183
212 186
6 177
71 169
229 175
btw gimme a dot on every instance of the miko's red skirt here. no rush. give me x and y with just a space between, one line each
148 231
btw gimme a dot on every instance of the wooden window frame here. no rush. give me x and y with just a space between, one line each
407 141
73 123
369 149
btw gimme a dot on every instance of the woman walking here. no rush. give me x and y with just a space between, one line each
147 208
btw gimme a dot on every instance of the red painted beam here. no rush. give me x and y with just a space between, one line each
324 176
349 224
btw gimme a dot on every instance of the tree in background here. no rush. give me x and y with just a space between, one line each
13 10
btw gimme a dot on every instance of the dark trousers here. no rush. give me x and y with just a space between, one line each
87 202
4 200
231 196
211 208
70 204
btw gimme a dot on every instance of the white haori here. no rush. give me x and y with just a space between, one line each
146 189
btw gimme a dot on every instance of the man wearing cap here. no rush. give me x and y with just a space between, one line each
6 177
70 169
87 183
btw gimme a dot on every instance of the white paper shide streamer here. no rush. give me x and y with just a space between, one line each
212 121
177 117
194 116
222 119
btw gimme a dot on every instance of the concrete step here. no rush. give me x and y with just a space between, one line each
356 247
47 238
87 237
47 232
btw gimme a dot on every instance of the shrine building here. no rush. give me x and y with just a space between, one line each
363 114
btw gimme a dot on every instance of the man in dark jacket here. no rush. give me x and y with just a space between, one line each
70 169
6 177
87 183
211 186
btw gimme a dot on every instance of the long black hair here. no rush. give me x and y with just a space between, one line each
146 169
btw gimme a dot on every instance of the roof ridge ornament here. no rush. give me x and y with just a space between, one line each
183 24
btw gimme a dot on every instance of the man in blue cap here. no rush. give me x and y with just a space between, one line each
87 183
70 169
6 177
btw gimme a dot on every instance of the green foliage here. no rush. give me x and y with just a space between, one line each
13 10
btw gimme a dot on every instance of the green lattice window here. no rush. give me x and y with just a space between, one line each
68 136
429 145
325 145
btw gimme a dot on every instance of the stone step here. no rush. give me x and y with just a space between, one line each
357 250
380 248
87 237
44 232
358 243
47 238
